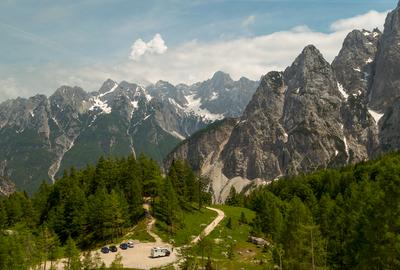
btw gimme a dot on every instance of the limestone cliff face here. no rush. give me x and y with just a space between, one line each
298 120
386 81
354 65
203 144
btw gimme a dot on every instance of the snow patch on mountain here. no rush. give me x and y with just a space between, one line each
214 96
194 106
341 90
99 104
376 115
110 91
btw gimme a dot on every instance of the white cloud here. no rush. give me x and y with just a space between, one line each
249 21
10 88
154 46
251 57
368 20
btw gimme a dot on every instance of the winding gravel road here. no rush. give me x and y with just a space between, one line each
139 256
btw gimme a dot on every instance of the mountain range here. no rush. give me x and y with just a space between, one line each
310 116
41 136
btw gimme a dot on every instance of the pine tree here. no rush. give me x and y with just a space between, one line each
242 219
72 255
3 216
168 206
229 223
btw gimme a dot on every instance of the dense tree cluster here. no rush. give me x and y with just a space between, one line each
90 206
181 188
334 219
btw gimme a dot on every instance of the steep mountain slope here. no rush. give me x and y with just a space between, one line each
386 82
297 121
354 64
41 137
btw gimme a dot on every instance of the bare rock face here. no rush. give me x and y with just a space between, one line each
297 121
386 82
354 64
254 147
6 187
389 135
200 145
293 124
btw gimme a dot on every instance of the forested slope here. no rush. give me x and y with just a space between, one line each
92 207
335 219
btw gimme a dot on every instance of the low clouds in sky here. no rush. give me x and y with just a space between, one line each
154 46
368 20
248 56
195 60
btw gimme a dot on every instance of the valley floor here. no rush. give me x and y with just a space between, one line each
139 256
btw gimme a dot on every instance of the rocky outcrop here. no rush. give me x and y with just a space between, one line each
293 124
221 95
252 149
354 64
202 144
389 135
6 187
386 82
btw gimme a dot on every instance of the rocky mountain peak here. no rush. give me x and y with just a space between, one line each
354 64
220 79
309 60
107 86
310 73
162 83
68 93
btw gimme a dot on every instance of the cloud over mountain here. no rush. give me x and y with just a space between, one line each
155 46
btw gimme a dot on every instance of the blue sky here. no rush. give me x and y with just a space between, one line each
47 43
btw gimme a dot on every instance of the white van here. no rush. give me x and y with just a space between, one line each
160 252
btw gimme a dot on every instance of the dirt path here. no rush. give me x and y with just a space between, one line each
211 226
139 256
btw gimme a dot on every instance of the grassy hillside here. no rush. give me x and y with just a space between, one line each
193 223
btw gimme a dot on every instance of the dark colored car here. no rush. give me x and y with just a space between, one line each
113 248
105 250
123 246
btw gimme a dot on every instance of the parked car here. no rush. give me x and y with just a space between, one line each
130 244
123 246
105 250
159 252
113 248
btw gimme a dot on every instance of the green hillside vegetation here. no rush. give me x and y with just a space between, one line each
192 224
227 246
26 147
106 137
91 207
153 141
344 218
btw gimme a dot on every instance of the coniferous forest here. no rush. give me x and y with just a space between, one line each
345 218
90 207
